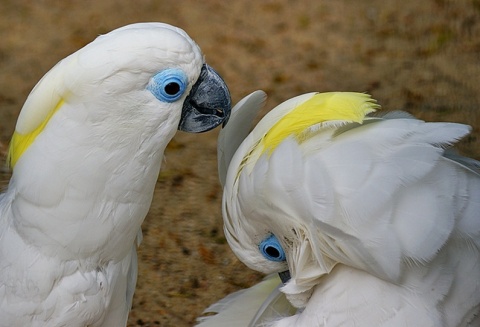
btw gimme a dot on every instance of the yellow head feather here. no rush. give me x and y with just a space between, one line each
322 107
20 142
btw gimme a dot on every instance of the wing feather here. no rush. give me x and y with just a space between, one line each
255 306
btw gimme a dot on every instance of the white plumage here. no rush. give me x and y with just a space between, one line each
379 223
86 154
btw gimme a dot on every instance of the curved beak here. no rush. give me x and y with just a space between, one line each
284 276
208 104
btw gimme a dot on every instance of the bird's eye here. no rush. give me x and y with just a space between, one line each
271 249
168 85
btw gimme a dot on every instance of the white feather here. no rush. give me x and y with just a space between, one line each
254 307
239 124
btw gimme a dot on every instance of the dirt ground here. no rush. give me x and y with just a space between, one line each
419 56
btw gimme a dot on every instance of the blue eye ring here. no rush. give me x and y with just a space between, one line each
168 85
271 249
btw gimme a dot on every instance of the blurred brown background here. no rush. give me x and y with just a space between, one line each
419 56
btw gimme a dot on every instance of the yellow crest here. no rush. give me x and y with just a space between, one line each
320 108
20 142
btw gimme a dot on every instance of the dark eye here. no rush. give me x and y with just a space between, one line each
172 88
168 85
271 249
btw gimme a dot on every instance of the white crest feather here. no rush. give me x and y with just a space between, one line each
238 127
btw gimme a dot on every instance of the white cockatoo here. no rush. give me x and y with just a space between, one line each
369 221
85 155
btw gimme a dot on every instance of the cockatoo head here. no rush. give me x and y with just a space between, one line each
142 81
269 191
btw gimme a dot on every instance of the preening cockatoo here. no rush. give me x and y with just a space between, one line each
369 221
86 154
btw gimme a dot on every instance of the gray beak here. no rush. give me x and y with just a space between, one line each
284 276
208 104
